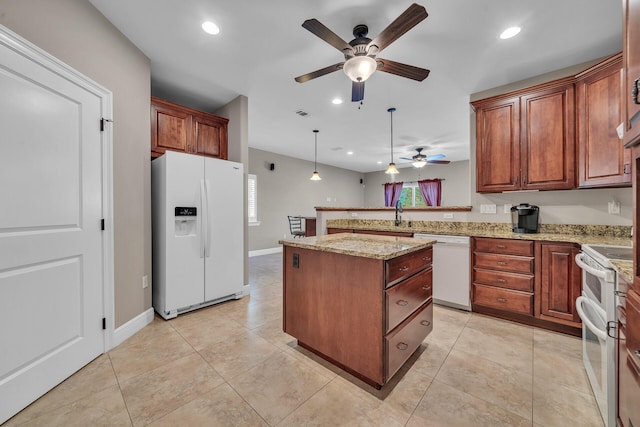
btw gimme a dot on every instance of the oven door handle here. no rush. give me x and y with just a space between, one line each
604 275
585 319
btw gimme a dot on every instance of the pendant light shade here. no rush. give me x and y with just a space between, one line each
315 176
392 170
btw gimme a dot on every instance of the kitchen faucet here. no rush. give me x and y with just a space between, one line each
398 212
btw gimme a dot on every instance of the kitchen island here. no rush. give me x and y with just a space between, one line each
362 302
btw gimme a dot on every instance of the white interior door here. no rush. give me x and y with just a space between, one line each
51 265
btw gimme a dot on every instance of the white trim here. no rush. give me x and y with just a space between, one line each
259 252
132 326
46 60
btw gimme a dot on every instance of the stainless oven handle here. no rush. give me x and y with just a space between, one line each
587 322
598 273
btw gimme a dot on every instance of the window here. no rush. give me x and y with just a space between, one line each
252 199
411 195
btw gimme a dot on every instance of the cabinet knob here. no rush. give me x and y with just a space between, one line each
402 346
402 303
425 323
404 268
501 299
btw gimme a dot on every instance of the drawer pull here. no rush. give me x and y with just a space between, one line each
635 91
402 346
502 263
637 353
499 280
426 288
427 259
501 299
404 268
402 302
425 323
501 246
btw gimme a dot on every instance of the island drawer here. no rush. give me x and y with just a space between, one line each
503 299
405 297
407 265
406 338
502 279
504 246
517 264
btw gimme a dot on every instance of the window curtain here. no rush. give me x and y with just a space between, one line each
431 190
392 193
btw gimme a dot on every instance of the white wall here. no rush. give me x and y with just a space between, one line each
288 191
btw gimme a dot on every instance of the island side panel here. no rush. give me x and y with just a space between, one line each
334 304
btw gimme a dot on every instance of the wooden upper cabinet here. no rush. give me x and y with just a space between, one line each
498 145
602 158
179 128
631 67
526 141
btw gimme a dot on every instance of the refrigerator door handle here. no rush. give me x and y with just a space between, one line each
207 219
204 219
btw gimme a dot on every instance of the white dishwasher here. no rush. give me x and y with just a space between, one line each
451 274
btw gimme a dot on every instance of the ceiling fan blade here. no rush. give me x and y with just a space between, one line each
319 73
357 91
402 70
438 162
406 158
403 23
327 35
436 157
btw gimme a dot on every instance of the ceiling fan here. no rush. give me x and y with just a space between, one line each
360 53
420 160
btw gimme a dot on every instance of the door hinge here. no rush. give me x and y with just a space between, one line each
102 121
626 168
104 323
102 224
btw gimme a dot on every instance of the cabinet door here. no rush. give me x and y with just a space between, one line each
170 128
602 160
547 139
560 283
498 146
209 135
631 58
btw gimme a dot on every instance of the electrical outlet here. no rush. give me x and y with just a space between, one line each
448 216
487 209
354 214
614 207
507 208
145 281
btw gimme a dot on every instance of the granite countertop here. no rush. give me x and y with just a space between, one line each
573 233
624 269
362 245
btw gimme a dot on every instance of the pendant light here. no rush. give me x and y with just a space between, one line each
392 166
315 176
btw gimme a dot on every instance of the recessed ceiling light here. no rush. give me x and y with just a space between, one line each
350 153
337 101
210 28
379 162
509 32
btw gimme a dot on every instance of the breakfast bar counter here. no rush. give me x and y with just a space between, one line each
362 302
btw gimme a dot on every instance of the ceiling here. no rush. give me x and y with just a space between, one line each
262 47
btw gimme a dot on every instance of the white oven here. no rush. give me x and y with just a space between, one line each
596 307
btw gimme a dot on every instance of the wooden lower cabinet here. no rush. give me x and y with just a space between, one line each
628 373
344 309
530 282
559 282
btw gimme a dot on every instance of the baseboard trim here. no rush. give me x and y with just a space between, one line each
265 251
132 326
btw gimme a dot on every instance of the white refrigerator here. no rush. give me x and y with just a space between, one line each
198 232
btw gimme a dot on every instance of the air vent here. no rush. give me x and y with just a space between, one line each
302 113
336 148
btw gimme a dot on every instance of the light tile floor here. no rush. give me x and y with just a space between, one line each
231 365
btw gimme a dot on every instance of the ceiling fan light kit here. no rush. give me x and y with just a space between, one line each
360 53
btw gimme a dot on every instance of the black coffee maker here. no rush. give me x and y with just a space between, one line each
524 218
